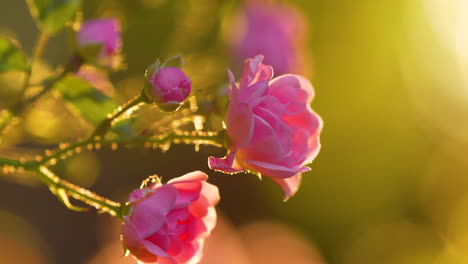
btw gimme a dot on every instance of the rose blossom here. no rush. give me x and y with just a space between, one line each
170 88
104 33
272 30
271 127
168 224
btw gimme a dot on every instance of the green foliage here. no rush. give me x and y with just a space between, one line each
11 56
90 103
52 15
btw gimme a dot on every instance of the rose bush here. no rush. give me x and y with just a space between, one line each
169 223
271 127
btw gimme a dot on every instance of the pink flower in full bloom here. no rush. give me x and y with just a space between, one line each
101 36
170 87
168 224
272 30
271 127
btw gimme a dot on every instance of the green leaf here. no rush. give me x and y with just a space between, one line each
53 15
11 56
175 61
90 103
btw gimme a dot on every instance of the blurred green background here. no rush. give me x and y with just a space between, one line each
390 185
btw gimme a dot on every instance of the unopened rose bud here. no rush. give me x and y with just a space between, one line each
99 42
169 88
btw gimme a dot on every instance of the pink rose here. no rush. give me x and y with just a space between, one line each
104 34
168 224
170 88
271 127
272 30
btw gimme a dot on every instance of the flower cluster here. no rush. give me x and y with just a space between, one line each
269 128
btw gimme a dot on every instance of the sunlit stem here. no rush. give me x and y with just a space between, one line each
64 189
106 124
6 118
38 51
57 184
194 137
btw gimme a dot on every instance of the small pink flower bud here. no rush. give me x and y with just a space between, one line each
169 88
99 40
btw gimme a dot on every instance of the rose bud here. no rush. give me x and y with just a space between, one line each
99 42
169 87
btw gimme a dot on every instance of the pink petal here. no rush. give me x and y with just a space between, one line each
209 221
290 87
175 216
101 31
196 228
211 193
176 247
199 208
254 94
166 261
233 87
191 176
289 185
255 71
272 170
190 253
149 214
309 140
132 242
224 164
239 123
136 195
160 239
188 187
154 248
265 144
130 237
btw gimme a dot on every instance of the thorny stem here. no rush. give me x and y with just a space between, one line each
62 189
106 124
38 51
57 185
196 137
